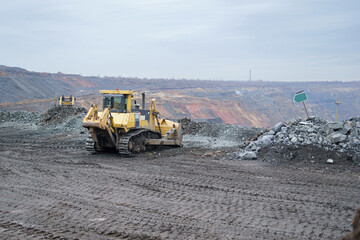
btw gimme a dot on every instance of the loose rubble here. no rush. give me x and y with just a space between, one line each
215 135
61 119
341 137
64 118
19 117
60 114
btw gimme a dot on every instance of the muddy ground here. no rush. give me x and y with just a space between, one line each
51 188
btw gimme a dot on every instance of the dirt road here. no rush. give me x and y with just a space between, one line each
50 188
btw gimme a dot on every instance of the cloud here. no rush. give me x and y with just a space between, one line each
182 38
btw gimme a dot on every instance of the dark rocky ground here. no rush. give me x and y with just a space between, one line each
52 188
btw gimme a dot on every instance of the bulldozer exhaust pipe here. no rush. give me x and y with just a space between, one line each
143 100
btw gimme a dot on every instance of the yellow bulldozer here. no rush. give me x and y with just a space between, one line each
67 101
125 126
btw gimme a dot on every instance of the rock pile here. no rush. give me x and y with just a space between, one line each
216 135
190 127
60 114
60 119
219 130
19 117
342 136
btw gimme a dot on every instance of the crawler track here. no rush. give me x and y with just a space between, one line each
135 141
91 146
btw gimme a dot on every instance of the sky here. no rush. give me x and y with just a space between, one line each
278 40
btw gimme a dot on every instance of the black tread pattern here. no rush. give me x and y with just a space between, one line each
128 137
90 145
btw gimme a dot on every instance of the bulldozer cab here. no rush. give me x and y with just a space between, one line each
116 102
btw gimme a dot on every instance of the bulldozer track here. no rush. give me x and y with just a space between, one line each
91 147
125 140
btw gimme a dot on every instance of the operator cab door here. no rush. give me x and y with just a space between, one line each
116 103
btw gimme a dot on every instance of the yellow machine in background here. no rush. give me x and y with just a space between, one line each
67 101
119 125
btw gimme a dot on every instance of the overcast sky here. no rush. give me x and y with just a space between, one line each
285 40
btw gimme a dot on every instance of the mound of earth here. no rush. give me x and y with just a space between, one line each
61 114
314 132
191 127
216 135
19 117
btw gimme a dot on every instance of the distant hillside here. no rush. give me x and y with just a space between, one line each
19 84
246 103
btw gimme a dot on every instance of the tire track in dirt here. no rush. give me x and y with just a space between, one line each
65 193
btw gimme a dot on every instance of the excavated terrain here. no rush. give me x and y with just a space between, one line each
51 188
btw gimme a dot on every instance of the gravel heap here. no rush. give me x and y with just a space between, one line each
341 136
216 135
20 117
60 114
234 133
219 130
190 127
65 119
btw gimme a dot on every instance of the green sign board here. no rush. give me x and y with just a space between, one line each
301 96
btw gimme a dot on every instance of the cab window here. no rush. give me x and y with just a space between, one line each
116 103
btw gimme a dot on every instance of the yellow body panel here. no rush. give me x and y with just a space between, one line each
127 121
123 120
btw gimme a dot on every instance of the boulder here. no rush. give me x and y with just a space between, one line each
271 132
266 139
280 135
312 135
346 130
330 161
284 129
248 156
311 130
350 124
278 126
331 127
355 132
305 123
337 137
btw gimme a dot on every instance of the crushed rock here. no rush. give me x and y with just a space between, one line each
20 117
61 114
216 135
341 137
61 119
